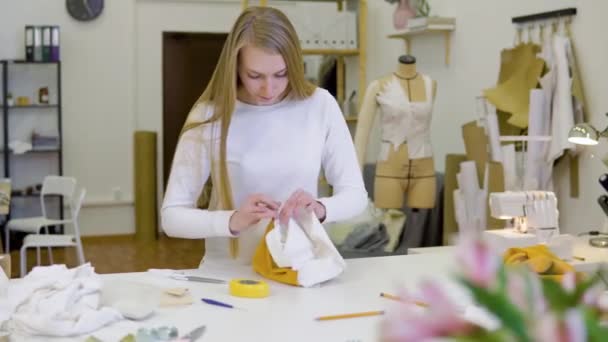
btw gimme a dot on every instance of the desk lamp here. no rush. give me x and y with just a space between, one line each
585 134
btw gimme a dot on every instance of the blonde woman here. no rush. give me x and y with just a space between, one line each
262 133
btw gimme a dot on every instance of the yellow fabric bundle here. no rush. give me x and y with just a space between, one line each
539 259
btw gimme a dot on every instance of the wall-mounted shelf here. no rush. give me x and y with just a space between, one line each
430 25
360 52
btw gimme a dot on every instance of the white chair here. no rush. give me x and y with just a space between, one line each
52 185
57 240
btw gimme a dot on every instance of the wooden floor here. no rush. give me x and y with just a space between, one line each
118 254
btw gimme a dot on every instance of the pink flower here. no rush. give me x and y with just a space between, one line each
569 282
479 263
570 329
525 291
593 295
441 318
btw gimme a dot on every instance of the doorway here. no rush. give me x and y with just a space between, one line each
189 60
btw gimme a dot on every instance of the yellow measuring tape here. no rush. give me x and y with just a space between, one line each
249 288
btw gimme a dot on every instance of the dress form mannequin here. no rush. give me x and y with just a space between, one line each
405 166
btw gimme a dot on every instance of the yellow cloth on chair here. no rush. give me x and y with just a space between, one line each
540 259
264 265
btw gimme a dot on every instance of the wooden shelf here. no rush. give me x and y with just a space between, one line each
351 118
336 52
245 3
360 52
407 34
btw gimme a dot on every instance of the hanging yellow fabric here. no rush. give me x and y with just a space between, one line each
520 71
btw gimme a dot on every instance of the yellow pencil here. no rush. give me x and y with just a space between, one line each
352 315
389 296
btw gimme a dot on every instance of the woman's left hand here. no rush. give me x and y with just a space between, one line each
301 199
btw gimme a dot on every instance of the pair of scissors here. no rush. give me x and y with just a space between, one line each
194 334
180 276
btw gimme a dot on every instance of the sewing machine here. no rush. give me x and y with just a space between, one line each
527 210
532 218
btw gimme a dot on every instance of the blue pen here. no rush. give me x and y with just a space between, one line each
217 303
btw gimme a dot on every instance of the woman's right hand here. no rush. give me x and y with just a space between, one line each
255 208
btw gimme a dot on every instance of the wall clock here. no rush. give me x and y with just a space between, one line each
84 10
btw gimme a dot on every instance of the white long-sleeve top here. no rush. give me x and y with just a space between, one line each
273 150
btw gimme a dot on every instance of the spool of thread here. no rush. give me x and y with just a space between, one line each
248 288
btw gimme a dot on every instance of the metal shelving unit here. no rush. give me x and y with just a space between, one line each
26 170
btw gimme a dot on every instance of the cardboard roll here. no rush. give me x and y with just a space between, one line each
249 288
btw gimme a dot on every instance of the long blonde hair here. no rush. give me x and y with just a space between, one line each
266 28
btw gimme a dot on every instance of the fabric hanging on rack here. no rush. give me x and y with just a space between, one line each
580 103
562 110
489 120
544 61
493 136
538 171
508 66
513 94
510 170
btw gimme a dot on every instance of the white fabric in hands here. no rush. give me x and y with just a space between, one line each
57 301
305 247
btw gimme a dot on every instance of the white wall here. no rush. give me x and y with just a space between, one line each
98 100
483 28
152 18
112 81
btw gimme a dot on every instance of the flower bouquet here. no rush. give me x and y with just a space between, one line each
522 305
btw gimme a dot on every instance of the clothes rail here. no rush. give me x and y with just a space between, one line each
566 12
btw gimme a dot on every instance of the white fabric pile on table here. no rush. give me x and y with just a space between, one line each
55 301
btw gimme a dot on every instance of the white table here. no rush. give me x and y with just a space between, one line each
594 257
288 314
